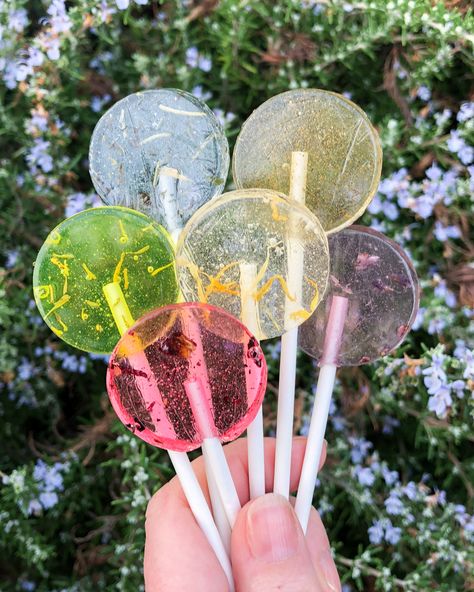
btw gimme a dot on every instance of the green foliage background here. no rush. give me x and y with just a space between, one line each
408 64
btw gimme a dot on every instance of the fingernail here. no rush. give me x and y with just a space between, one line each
328 570
272 529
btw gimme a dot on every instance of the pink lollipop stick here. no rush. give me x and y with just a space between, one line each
322 401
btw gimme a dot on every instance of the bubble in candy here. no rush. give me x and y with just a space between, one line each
162 152
89 251
344 152
236 252
381 286
176 346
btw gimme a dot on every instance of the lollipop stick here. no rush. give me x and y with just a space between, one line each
200 509
211 446
167 180
255 443
319 415
198 361
118 306
192 490
289 340
218 510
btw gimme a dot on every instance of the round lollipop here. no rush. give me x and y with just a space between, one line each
235 251
189 375
368 310
239 253
380 284
162 152
343 148
96 249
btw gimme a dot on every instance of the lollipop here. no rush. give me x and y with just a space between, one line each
328 156
189 375
234 253
343 148
87 273
367 312
162 152
94 249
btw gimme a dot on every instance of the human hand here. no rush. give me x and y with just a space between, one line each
269 550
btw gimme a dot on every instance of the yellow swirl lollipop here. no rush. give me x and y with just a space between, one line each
235 253
344 152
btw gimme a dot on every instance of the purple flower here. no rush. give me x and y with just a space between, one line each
434 173
390 477
393 504
424 93
364 475
440 401
410 490
465 112
441 291
469 360
34 508
201 94
466 154
48 499
18 20
97 103
436 326
360 449
195 60
442 233
11 258
420 315
392 534
122 4
38 157
455 142
389 423
376 532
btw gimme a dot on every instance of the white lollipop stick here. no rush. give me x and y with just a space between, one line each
289 340
200 509
322 401
184 471
167 180
255 442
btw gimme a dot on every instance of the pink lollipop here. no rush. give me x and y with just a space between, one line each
189 375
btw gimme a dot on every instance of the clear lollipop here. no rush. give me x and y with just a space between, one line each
344 152
328 156
235 252
162 152
92 272
368 310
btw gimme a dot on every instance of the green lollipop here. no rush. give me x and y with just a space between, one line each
98 270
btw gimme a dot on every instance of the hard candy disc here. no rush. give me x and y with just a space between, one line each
154 142
89 250
257 255
151 368
344 152
379 280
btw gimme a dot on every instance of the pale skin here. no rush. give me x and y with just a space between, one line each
269 550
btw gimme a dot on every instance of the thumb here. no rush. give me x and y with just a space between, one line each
269 550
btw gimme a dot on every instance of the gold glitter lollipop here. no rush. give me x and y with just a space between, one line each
344 152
